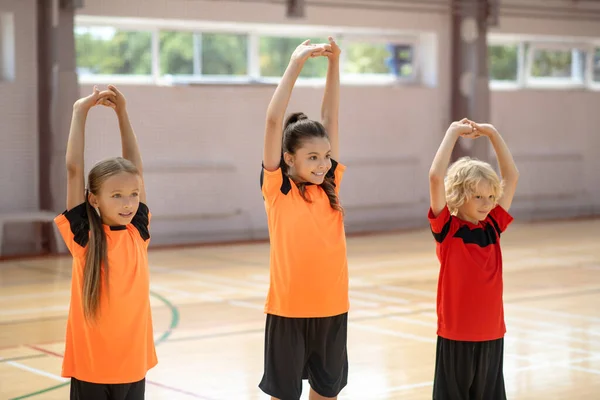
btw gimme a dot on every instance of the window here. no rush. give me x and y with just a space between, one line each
177 53
503 62
556 64
224 54
213 54
184 52
275 55
111 51
7 47
378 60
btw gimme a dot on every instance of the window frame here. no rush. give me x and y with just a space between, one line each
254 32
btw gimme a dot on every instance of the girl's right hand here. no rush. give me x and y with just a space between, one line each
307 50
461 128
86 103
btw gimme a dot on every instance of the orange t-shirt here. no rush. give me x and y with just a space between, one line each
308 266
119 346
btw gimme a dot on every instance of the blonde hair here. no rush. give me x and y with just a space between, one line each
463 177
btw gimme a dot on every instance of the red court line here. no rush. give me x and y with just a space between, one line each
161 385
26 345
49 352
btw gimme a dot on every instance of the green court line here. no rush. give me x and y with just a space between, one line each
162 338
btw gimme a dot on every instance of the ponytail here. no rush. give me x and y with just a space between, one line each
96 258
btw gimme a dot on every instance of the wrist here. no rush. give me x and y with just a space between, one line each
79 109
453 133
492 133
121 112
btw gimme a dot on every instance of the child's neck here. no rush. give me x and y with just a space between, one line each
466 218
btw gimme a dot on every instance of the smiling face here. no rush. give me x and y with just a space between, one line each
118 198
478 204
311 161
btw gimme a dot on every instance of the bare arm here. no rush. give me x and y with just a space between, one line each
74 158
129 144
508 168
437 172
280 101
331 99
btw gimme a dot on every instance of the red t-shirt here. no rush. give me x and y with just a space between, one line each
469 296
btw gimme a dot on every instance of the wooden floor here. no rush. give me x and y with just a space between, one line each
207 304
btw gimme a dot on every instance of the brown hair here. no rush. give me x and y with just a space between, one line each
298 128
97 253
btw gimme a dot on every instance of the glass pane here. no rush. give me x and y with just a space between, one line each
176 53
224 54
275 53
503 62
379 58
106 50
552 64
596 68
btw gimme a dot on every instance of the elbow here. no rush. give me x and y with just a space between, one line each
273 120
435 177
73 168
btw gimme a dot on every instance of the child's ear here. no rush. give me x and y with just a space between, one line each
289 159
93 200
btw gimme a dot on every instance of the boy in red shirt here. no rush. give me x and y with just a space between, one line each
469 211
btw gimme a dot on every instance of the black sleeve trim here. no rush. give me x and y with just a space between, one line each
286 185
141 221
498 232
79 223
439 237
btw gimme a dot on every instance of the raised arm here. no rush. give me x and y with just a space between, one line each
280 101
76 145
331 99
129 144
437 172
508 168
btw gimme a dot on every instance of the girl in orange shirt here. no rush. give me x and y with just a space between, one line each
109 341
307 304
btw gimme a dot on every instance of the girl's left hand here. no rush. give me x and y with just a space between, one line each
481 130
334 50
116 102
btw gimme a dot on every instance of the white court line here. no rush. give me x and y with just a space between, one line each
19 311
552 325
510 338
556 336
561 363
553 313
401 289
246 304
389 390
591 371
390 332
373 296
196 296
35 371
430 294
38 295
215 278
412 262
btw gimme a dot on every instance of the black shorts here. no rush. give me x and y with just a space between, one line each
469 370
81 390
305 348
